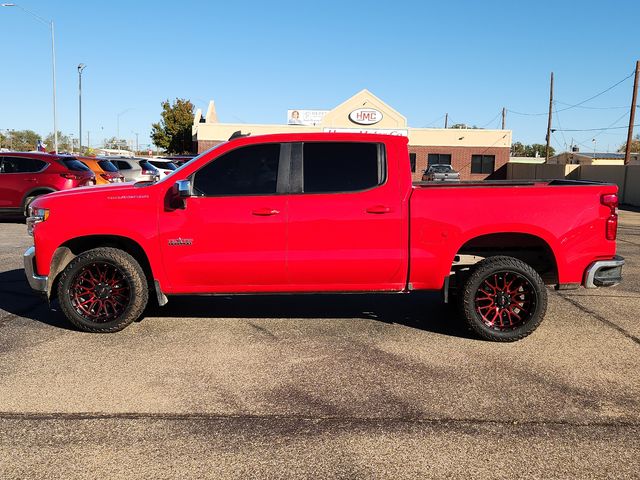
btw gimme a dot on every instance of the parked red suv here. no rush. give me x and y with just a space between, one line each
24 176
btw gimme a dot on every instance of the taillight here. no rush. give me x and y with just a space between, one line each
148 172
71 176
611 201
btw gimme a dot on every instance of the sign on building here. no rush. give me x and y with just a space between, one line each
305 117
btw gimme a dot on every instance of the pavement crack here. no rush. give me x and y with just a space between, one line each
84 416
600 318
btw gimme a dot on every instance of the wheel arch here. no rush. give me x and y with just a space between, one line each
531 249
66 252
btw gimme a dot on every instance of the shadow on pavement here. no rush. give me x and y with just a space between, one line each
17 298
423 311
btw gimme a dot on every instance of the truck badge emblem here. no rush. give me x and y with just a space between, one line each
176 242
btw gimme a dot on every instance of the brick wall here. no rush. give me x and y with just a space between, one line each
461 160
204 145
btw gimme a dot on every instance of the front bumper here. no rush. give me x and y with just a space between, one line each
604 273
37 282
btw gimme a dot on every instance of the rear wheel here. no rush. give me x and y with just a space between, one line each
503 299
103 290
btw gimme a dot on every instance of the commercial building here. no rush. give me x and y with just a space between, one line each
476 153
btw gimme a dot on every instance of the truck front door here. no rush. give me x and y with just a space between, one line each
231 235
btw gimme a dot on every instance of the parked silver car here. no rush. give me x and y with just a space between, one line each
440 173
135 169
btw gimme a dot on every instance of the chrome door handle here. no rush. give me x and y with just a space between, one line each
265 212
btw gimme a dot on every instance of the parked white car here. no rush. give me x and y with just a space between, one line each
164 166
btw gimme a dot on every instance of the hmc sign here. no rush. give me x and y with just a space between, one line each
365 116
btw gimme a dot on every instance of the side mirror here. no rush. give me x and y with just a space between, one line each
177 196
183 188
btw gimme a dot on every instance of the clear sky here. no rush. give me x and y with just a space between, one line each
257 59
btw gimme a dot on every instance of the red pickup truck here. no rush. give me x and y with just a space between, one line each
328 212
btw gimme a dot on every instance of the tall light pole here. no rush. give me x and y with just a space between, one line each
53 66
81 67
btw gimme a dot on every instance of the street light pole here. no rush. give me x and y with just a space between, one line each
81 67
53 66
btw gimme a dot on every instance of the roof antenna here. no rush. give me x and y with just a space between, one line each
238 134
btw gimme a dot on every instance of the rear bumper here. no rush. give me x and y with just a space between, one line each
37 282
604 273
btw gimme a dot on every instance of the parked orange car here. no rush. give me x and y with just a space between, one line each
106 172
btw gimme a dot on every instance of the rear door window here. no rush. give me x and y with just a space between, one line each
329 167
163 165
12 164
75 165
122 165
107 166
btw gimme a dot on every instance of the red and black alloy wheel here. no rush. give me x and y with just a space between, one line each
100 292
503 299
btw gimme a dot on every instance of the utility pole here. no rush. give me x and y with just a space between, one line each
632 115
549 122
446 120
88 139
504 117
81 67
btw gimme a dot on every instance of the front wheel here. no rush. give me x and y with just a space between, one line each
103 290
503 299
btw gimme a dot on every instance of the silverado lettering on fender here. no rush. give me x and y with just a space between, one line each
328 212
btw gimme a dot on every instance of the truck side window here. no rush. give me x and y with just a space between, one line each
342 167
251 170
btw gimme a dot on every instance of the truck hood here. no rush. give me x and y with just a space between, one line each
84 195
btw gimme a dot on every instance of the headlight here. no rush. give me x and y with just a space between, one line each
36 215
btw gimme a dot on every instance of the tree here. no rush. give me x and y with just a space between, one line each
520 150
23 140
635 145
116 143
173 132
4 141
64 143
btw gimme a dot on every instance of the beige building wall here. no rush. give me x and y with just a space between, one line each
210 130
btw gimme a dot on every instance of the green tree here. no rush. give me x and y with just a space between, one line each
116 143
635 145
4 141
173 132
64 142
23 140
520 150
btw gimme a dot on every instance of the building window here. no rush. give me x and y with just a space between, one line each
483 163
439 159
412 161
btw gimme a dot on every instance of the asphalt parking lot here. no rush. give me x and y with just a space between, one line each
320 387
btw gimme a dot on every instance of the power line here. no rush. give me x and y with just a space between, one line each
591 129
570 106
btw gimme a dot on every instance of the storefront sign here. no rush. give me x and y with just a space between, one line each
384 131
305 117
365 116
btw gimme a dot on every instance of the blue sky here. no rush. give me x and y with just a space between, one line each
257 59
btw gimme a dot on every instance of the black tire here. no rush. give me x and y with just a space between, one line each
503 299
27 203
103 290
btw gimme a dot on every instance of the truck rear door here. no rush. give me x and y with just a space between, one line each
346 230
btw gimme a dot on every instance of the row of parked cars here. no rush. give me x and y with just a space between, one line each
24 176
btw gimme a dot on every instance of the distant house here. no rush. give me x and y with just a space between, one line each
592 158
